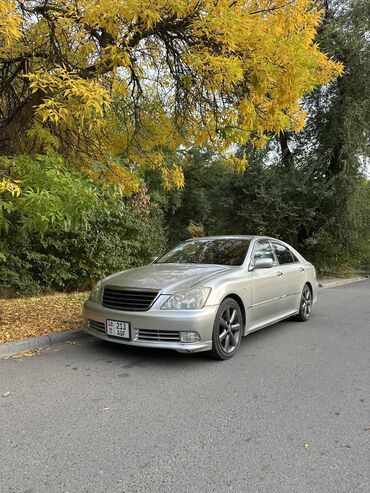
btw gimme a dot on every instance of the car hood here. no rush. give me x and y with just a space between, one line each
166 277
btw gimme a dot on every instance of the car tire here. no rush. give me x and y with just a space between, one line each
305 304
227 330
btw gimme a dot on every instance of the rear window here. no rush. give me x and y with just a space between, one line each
284 255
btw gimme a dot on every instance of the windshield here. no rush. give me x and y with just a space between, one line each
228 251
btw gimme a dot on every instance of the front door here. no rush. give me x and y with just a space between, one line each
292 272
267 287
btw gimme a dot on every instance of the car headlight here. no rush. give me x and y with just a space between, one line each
95 294
189 299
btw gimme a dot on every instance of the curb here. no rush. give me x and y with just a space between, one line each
335 283
12 348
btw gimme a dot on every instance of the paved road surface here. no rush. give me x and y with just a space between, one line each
97 417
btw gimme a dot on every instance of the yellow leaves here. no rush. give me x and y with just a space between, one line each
260 140
195 230
11 187
172 177
149 15
297 118
70 98
128 180
166 178
216 69
238 163
248 113
178 177
10 22
52 111
116 56
186 71
29 353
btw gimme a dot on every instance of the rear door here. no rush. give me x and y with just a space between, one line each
293 275
267 286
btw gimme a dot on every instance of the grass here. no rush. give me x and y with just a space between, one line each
21 318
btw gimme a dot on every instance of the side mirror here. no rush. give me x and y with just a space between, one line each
263 263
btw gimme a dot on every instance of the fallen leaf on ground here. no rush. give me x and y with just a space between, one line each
306 446
6 394
30 352
21 318
367 428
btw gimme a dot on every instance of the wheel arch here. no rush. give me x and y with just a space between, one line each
238 300
310 286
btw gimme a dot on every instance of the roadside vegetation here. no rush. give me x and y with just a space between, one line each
138 125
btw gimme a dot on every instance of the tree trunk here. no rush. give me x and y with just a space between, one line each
286 154
13 129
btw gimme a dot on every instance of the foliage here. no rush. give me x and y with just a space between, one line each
336 141
68 231
147 102
337 137
52 195
271 200
195 230
183 72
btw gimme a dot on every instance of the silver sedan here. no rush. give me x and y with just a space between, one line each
203 295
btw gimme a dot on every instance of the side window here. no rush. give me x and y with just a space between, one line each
264 250
283 254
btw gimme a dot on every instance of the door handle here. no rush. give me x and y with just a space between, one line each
279 273
301 269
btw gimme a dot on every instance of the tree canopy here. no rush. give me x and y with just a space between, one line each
181 72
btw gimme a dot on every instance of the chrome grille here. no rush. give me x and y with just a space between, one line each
157 335
99 326
128 300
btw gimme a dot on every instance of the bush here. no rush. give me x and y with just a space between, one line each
75 247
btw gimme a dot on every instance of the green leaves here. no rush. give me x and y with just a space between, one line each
65 231
54 196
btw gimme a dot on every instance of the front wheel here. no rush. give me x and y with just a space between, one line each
305 304
227 330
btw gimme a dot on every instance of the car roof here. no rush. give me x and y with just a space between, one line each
234 237
223 237
238 237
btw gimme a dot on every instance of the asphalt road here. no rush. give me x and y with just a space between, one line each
98 417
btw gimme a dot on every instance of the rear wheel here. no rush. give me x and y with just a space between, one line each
305 304
227 330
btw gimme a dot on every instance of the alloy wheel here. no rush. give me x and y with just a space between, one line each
229 329
306 302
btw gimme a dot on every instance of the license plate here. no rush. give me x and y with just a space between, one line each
118 329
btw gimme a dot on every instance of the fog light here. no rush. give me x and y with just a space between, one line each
189 337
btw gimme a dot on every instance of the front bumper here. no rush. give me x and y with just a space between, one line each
200 321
